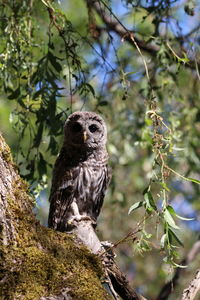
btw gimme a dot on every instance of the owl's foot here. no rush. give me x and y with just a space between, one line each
76 219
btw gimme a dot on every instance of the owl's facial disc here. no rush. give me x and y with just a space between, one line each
82 133
85 130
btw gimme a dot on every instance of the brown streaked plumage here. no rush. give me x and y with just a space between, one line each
81 174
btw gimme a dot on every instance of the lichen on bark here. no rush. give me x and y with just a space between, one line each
36 261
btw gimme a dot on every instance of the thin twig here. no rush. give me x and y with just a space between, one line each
181 176
117 26
132 233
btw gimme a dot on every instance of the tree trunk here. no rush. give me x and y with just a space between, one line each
37 262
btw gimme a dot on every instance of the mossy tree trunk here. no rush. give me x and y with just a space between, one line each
36 262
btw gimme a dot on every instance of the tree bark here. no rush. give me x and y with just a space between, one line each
190 292
37 262
40 263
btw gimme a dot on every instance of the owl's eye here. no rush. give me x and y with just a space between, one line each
76 127
93 128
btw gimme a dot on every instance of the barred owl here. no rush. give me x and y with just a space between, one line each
81 174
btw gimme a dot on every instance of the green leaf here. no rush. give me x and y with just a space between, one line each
38 136
184 219
165 187
15 94
51 45
53 60
172 212
166 259
168 218
145 245
163 240
179 266
90 88
103 103
173 234
42 165
148 122
193 180
146 190
129 73
53 146
146 234
149 200
135 206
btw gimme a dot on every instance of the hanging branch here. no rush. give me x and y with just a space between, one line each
114 24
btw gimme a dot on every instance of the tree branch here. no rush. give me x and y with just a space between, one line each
116 280
37 262
114 24
190 292
119 28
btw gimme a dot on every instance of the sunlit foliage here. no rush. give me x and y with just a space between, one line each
137 64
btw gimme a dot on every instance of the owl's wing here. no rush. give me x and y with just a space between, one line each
61 196
102 186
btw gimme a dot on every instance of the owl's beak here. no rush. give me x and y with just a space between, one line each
85 136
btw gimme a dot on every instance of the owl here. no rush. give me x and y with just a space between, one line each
81 174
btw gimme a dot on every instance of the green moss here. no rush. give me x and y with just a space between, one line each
5 151
45 261
57 263
39 261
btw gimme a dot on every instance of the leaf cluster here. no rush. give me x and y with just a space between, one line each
142 75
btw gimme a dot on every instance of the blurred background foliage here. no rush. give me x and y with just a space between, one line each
137 64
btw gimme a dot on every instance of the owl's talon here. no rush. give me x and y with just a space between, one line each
70 222
77 219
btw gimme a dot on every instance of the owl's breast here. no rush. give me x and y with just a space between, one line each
85 182
88 185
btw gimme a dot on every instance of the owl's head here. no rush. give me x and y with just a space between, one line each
85 130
